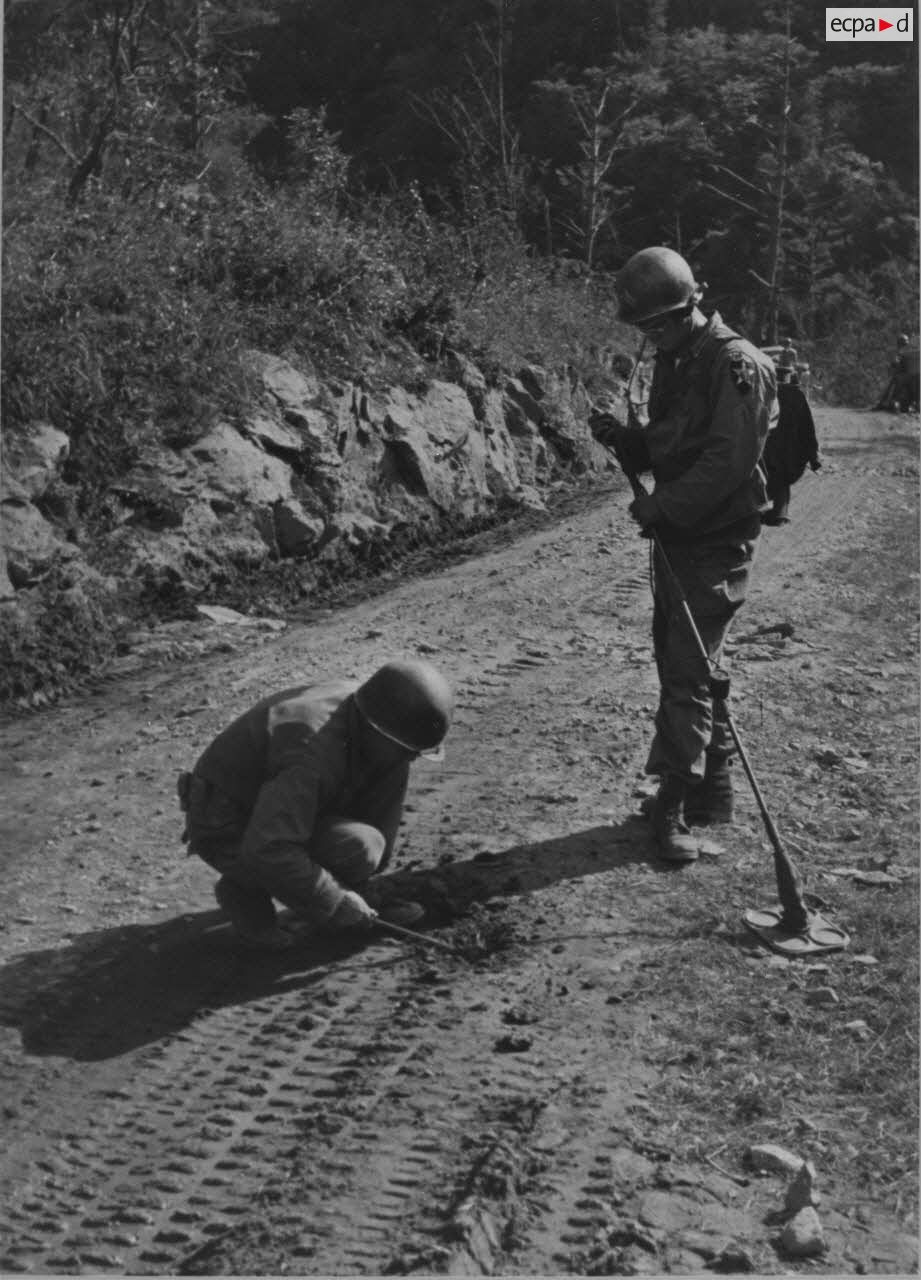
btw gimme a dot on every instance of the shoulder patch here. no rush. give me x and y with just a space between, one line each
742 372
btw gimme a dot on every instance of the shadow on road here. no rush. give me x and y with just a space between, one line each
453 886
114 990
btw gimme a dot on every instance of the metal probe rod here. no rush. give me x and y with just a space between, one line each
795 916
413 936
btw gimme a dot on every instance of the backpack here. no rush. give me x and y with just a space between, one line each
791 445
789 449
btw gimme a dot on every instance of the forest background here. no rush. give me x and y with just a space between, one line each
322 178
361 186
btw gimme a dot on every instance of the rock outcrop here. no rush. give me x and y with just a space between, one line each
311 472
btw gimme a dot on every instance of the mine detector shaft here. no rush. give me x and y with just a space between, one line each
792 929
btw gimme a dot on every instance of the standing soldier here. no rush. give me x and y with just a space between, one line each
786 362
907 368
300 798
901 392
712 402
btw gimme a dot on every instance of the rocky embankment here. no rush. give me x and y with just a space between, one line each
314 477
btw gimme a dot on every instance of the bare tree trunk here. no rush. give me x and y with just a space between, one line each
505 145
658 31
774 272
198 73
592 192
123 40
30 160
500 89
91 161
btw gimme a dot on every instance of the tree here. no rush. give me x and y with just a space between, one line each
474 117
601 138
124 92
580 131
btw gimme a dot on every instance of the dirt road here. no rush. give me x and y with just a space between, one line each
576 1091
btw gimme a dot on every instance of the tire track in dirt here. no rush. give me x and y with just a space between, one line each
174 1151
392 1193
145 1163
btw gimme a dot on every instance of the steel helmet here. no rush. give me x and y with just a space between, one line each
654 281
409 702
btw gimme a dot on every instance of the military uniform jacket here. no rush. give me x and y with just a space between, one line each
710 409
295 758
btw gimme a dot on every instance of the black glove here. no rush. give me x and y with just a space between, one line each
606 429
645 511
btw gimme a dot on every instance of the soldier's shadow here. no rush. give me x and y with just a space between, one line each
114 990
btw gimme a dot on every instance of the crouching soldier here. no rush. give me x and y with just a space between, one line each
299 799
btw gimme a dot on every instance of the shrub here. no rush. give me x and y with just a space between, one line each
105 333
69 634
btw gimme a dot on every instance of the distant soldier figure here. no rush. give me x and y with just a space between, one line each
908 367
712 402
300 798
901 393
786 362
790 447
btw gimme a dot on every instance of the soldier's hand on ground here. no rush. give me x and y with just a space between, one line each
352 912
645 511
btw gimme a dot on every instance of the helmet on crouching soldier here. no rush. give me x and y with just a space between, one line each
654 282
411 703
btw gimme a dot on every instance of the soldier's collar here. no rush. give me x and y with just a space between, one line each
693 347
696 345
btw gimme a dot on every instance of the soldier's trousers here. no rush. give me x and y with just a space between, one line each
349 850
713 575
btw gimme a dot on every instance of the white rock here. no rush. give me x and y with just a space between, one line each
220 613
774 1158
803 1237
289 386
240 468
822 996
7 590
35 457
30 543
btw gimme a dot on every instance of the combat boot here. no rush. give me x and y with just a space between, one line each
673 840
252 916
710 801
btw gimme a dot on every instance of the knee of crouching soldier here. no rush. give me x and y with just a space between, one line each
352 851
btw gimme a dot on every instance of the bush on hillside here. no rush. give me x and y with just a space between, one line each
68 635
105 332
852 365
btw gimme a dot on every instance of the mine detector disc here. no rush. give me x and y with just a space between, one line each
819 935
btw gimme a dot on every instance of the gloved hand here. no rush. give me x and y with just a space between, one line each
645 510
352 912
606 429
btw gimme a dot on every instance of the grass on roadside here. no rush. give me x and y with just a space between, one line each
817 1056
